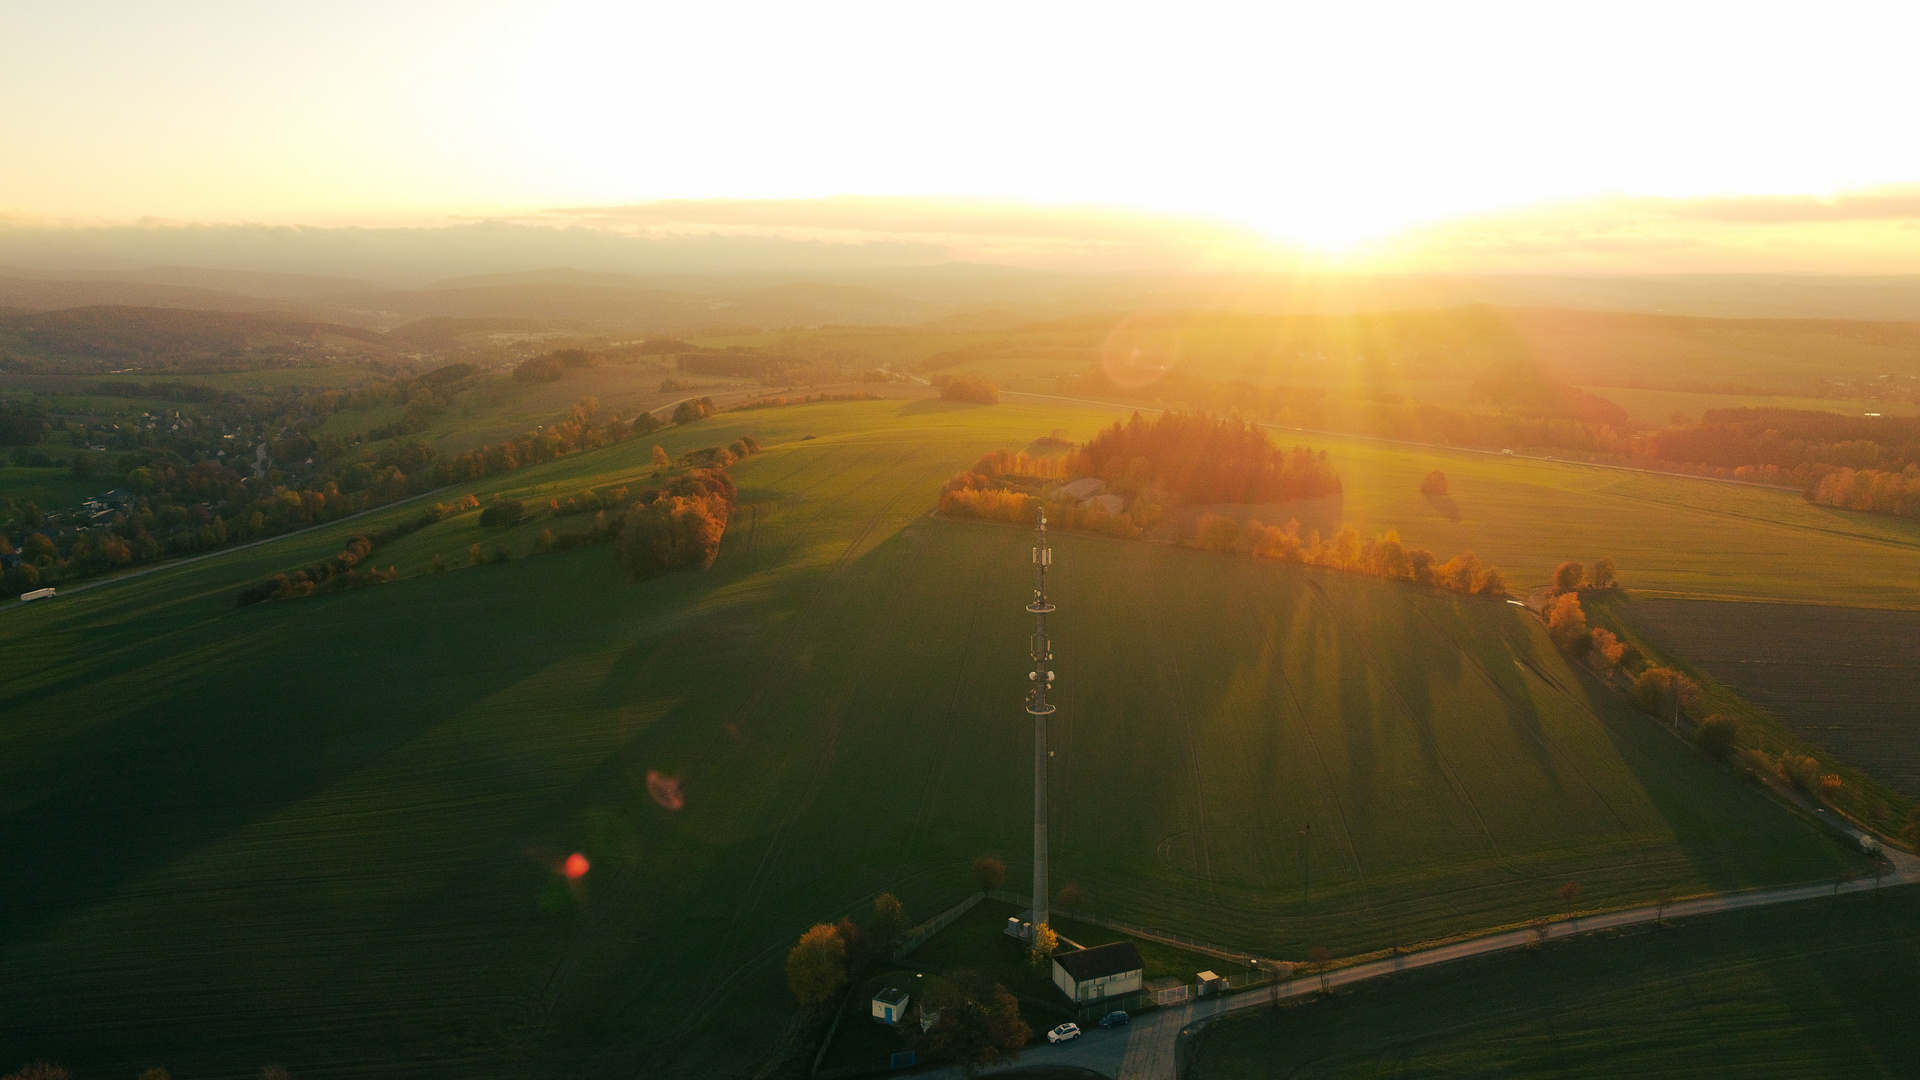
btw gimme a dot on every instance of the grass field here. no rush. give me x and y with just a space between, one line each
1672 535
49 489
1815 989
323 832
1845 679
1656 407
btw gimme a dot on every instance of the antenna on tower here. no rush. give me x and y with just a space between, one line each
1041 677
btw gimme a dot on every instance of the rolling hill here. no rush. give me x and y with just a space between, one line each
367 793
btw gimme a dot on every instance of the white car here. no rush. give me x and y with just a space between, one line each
1063 1033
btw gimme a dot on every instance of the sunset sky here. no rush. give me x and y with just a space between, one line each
1325 127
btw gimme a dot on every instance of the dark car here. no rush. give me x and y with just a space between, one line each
1114 1019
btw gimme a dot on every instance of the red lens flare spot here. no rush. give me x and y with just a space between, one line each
576 866
665 790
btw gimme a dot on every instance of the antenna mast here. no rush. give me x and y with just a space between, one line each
1041 676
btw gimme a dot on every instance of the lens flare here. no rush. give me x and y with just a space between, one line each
1142 349
576 867
665 790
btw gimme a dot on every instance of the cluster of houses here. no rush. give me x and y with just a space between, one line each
1088 493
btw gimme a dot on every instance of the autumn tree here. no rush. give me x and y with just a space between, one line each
1716 735
1567 893
1568 576
1071 898
1434 484
976 1022
671 533
817 966
1603 573
1664 692
989 873
1608 648
1567 624
889 923
660 458
1045 943
859 946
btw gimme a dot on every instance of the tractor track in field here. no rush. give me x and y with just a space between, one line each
1538 739
1324 776
777 844
1262 809
932 794
1193 766
1406 710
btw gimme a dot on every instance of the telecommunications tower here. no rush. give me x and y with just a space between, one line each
1041 676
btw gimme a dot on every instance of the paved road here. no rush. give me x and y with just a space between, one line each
1147 1049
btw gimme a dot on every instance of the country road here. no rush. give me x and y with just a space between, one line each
1148 1048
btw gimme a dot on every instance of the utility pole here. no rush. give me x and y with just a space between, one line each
1041 676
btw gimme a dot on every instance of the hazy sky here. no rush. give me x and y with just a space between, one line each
1321 123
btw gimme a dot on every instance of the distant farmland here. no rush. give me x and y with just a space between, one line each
1844 678
322 832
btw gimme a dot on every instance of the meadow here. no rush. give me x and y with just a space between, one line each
325 832
1818 988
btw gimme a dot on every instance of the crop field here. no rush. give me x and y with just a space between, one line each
1819 988
325 832
1845 679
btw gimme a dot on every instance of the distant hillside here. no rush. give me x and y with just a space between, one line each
106 337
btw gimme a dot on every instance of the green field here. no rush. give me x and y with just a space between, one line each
50 489
1656 407
322 832
1822 988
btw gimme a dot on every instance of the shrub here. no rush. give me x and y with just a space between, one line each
972 388
693 409
1716 736
503 513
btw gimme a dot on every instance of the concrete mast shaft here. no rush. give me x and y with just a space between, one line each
1041 676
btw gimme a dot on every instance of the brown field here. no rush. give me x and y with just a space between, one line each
1847 679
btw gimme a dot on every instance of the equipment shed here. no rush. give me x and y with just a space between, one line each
1100 972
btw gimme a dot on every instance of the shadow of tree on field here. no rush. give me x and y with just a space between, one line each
1444 506
1732 835
922 406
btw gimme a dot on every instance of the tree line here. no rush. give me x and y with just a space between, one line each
1381 556
1670 696
673 525
1200 458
